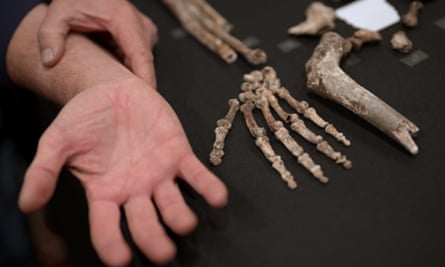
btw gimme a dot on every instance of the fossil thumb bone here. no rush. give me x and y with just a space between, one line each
327 79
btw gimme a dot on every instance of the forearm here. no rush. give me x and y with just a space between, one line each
84 64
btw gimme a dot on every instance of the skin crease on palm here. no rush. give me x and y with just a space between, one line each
119 137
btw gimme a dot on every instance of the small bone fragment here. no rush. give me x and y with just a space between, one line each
401 42
411 18
221 131
363 36
212 42
262 142
303 108
214 15
327 79
319 18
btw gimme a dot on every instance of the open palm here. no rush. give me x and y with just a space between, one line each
126 146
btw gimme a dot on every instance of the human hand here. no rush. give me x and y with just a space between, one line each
126 146
133 32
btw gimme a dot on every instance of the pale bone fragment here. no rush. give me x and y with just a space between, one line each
297 125
282 134
363 36
195 28
327 79
303 108
221 131
211 12
401 42
319 18
262 142
411 18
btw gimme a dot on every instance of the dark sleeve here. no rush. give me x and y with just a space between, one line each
11 13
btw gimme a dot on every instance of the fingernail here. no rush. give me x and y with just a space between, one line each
47 55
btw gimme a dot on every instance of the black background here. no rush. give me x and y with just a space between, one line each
388 210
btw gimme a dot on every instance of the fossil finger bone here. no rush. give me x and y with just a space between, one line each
363 36
401 42
262 142
411 18
319 18
327 79
221 131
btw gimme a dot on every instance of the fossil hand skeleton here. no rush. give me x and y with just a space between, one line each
327 79
262 90
211 29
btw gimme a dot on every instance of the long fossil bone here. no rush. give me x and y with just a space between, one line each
181 11
211 29
221 131
327 79
319 18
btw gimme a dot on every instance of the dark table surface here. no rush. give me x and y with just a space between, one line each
388 210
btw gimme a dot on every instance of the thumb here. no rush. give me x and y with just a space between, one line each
41 177
51 38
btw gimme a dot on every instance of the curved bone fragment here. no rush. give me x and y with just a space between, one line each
363 36
319 18
411 18
401 42
221 131
262 142
327 79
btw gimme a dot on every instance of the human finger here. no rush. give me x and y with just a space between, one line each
52 35
135 37
203 181
175 212
41 177
106 234
147 231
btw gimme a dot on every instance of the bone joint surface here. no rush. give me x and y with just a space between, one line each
327 79
401 42
411 18
210 28
319 18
